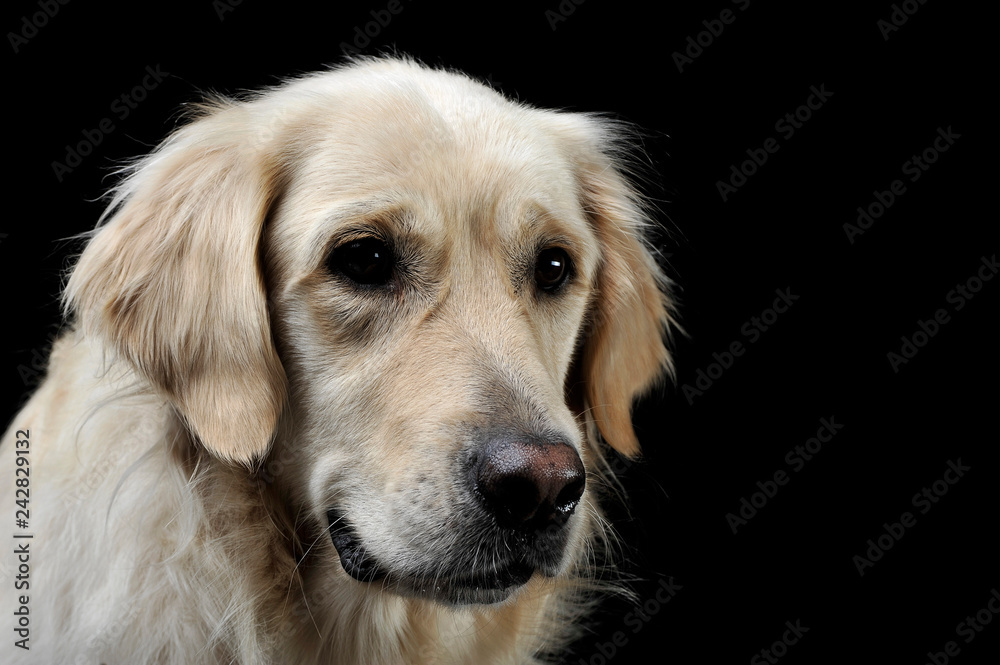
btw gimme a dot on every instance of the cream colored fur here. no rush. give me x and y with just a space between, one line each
216 391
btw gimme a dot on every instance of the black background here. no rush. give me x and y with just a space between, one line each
825 357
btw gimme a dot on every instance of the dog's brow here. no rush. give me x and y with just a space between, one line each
551 227
385 215
371 208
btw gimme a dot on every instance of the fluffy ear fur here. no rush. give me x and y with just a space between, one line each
171 281
624 351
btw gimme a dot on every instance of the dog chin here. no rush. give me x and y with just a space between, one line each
450 587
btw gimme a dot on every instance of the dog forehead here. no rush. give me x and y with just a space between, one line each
443 140
455 154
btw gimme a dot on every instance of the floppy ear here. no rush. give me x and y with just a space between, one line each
171 281
623 352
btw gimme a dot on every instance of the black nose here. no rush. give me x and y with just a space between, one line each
529 484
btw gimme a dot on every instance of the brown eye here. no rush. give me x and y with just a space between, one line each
367 261
552 268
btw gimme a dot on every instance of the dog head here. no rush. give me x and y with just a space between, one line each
422 294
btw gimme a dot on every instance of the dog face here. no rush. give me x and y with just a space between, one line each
428 297
430 307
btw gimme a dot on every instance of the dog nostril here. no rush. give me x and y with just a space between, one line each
528 484
570 495
514 496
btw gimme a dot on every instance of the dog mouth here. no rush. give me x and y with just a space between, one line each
356 560
487 586
483 587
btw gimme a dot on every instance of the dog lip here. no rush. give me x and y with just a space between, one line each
483 588
509 576
354 557
465 588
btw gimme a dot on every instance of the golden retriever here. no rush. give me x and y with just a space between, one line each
343 358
